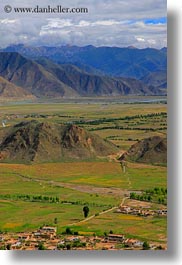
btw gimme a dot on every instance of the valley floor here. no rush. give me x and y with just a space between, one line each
53 194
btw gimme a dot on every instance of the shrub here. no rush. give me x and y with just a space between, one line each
146 245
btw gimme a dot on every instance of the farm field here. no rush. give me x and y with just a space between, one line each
122 124
35 194
99 174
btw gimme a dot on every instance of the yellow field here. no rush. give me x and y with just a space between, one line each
103 174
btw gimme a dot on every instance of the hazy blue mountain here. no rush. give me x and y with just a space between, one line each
157 79
44 78
123 62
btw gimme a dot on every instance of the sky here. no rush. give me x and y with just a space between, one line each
121 23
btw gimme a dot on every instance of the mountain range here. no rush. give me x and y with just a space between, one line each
115 61
44 78
71 71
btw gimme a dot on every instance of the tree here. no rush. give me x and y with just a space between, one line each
68 246
141 198
146 245
8 247
68 231
85 211
3 247
132 195
41 246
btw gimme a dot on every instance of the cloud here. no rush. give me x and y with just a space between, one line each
7 21
57 24
140 39
112 23
127 33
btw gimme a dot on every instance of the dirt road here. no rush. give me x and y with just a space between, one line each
79 187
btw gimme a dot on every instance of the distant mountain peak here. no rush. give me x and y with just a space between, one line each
114 61
132 47
73 71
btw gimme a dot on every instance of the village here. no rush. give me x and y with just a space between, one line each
46 238
141 211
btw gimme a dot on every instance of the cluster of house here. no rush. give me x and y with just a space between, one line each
141 211
127 242
30 240
48 238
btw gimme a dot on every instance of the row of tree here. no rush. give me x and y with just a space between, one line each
32 198
118 127
157 191
49 199
104 120
158 195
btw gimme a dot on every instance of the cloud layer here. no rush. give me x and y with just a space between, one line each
108 23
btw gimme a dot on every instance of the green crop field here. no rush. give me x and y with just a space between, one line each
28 191
131 226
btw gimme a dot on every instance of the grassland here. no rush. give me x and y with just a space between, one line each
101 174
122 124
153 229
99 183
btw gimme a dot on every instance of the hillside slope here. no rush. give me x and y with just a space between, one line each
87 84
157 79
40 142
31 76
9 90
149 150
45 79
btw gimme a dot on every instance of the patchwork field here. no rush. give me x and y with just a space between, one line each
35 194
